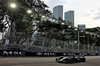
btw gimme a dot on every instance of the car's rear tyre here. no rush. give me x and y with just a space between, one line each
83 60
72 61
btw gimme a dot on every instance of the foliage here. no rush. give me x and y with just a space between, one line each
57 31
1 27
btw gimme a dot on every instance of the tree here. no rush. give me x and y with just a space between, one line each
94 39
19 16
1 27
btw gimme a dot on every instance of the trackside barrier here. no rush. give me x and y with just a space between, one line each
11 53
30 53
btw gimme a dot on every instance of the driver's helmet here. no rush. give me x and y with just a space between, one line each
74 55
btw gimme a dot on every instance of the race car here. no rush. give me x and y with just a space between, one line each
71 59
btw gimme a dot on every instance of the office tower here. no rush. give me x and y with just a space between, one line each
58 12
82 26
69 18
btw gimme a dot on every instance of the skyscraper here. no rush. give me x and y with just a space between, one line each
82 26
69 18
58 11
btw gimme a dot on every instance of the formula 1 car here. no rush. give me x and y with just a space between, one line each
71 59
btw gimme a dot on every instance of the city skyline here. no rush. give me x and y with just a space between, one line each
86 11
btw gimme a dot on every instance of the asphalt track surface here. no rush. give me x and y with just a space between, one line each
45 61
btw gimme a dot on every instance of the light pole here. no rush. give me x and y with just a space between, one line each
12 27
69 37
84 49
63 33
78 42
88 42
88 45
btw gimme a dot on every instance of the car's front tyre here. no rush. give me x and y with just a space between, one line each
57 60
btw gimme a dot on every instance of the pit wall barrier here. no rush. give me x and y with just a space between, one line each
45 54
